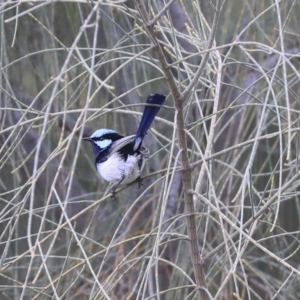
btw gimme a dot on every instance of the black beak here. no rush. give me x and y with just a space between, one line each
87 139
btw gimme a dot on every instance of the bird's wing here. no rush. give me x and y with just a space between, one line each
119 144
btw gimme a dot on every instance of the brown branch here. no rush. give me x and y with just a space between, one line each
182 141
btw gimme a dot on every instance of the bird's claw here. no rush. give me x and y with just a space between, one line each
113 195
139 180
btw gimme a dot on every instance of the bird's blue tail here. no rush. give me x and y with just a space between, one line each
147 118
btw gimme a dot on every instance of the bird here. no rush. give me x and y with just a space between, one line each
121 159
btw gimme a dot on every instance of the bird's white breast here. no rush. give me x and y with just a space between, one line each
115 168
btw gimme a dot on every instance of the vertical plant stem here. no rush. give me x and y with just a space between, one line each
182 142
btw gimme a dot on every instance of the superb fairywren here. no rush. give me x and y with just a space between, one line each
120 159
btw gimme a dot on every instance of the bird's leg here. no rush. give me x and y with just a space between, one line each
139 181
113 191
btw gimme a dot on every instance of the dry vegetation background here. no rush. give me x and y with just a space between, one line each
231 229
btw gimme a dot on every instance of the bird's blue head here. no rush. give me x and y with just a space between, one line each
102 139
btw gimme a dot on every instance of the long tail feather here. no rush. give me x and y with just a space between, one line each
147 118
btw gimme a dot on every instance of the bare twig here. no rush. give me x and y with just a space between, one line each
161 12
212 124
206 55
258 214
243 233
182 141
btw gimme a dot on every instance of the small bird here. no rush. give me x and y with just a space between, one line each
119 159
